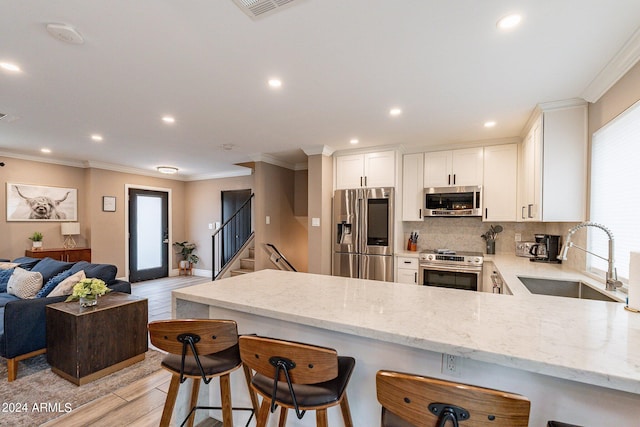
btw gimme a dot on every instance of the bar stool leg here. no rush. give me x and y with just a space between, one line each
225 396
321 418
346 411
263 415
167 412
283 416
252 392
193 402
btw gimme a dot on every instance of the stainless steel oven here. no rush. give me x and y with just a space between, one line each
448 269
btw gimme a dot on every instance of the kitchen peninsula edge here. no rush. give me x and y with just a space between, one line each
584 354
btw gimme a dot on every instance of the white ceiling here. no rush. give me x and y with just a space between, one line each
343 63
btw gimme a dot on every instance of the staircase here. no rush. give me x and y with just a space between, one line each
247 265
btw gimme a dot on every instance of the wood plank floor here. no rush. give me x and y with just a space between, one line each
139 404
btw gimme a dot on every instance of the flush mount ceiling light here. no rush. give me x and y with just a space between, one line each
275 83
8 66
259 8
169 170
395 111
96 137
354 141
508 22
489 124
169 119
65 33
45 150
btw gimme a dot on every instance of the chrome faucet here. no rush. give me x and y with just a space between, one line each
612 282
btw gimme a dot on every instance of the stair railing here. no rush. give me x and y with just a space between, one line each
278 259
227 240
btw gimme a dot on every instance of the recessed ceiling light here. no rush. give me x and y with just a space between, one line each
395 111
8 66
509 21
354 141
168 119
170 170
45 150
96 137
489 124
275 83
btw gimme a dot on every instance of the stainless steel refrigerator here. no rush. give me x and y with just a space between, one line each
363 227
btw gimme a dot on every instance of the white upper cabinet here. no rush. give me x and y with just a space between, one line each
553 158
412 186
456 167
366 170
500 183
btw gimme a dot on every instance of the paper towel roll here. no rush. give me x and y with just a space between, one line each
634 281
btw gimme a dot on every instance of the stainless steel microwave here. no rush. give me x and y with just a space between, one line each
453 201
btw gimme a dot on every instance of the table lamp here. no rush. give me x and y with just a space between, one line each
68 230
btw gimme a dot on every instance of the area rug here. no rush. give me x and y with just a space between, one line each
38 395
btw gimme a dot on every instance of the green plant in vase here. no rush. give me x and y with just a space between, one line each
36 240
186 249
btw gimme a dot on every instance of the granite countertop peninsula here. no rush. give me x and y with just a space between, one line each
593 342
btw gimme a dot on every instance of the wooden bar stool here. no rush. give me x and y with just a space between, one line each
201 349
415 401
297 376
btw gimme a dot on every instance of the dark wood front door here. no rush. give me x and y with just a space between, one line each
148 234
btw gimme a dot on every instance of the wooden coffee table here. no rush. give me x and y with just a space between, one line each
84 344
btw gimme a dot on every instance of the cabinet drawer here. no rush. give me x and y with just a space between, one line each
409 263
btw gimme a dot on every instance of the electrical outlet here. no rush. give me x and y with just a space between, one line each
451 365
518 237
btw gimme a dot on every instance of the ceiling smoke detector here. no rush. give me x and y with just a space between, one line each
227 147
259 8
65 33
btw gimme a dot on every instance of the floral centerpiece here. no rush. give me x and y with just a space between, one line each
88 291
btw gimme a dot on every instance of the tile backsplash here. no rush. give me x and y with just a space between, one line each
463 234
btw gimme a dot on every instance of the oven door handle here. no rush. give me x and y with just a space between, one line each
452 269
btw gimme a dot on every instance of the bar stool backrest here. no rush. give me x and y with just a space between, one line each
409 397
313 364
213 335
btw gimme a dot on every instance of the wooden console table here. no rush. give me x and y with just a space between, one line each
62 254
84 344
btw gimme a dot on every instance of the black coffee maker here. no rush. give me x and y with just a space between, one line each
546 249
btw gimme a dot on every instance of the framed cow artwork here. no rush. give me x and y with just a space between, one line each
41 203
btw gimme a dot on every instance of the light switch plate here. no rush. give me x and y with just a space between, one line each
268 220
315 222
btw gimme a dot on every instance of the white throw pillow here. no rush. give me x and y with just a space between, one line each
24 284
8 265
66 286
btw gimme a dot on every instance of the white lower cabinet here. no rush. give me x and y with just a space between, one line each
407 270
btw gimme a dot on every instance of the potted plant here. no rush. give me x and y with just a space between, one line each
185 249
36 239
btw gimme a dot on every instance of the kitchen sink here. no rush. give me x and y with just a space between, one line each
563 288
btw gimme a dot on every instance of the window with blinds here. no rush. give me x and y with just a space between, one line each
615 190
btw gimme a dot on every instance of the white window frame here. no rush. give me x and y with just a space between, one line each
614 201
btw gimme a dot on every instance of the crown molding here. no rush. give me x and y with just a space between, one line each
134 171
245 171
371 149
74 164
325 150
619 65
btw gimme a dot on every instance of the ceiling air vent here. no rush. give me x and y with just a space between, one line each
259 8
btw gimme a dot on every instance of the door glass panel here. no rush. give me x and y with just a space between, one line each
378 222
149 232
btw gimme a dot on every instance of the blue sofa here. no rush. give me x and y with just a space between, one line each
22 321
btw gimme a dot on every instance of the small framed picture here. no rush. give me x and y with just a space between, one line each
108 204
